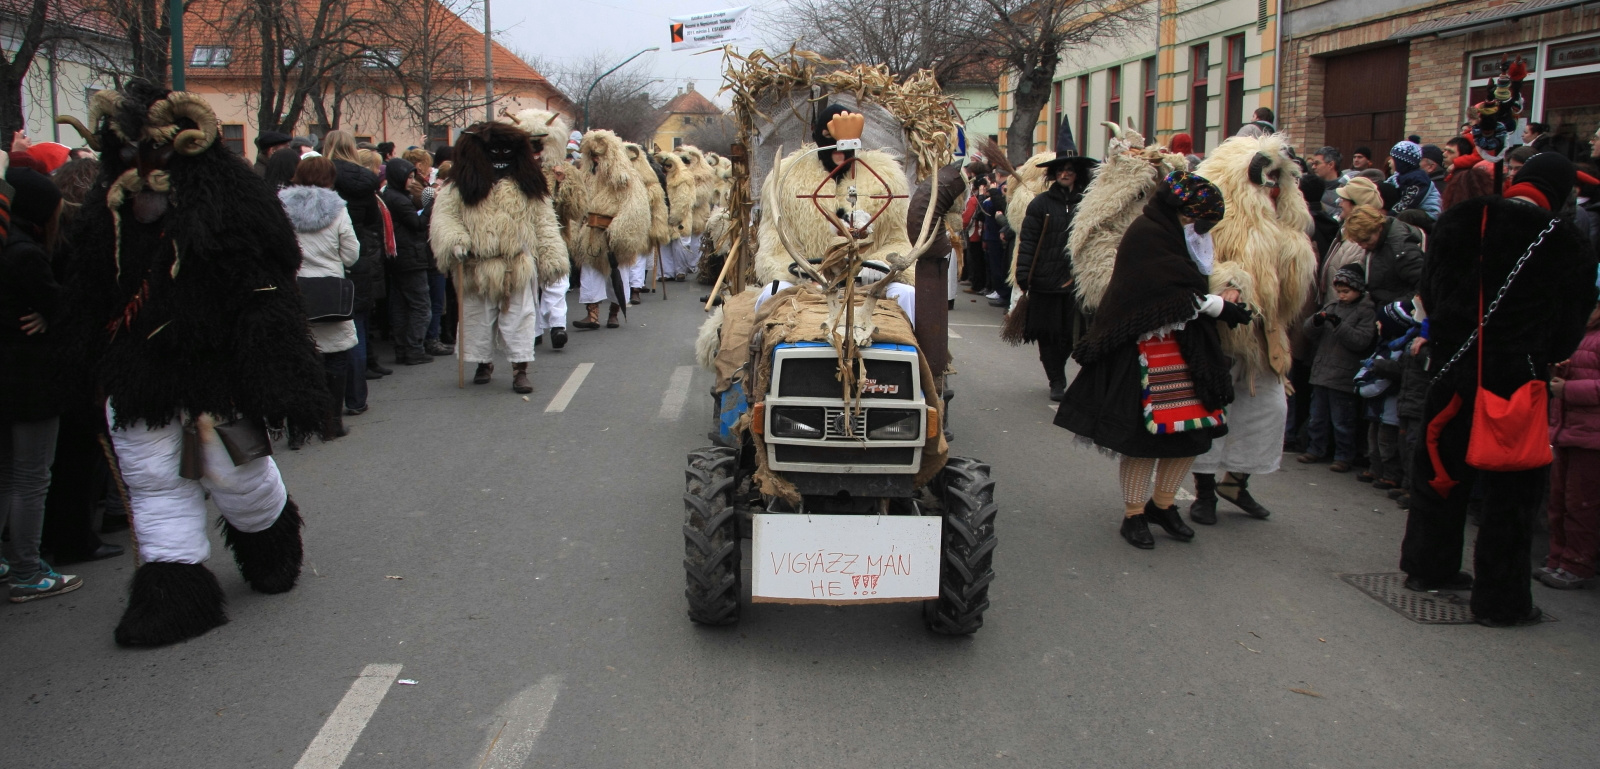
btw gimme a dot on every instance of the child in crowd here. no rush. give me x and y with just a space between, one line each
1575 473
1343 333
1379 382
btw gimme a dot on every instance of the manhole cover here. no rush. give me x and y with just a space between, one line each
1441 608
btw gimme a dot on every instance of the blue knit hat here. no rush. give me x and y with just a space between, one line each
1406 156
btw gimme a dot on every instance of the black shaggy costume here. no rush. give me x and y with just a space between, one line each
1539 323
185 303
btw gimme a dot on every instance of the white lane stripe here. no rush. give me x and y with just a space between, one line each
520 723
952 333
339 733
677 393
564 395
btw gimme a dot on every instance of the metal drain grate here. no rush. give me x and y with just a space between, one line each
1389 588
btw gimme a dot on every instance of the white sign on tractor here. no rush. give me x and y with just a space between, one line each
839 559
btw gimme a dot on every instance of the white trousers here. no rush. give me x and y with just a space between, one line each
595 286
514 328
553 306
636 273
1254 443
679 255
169 512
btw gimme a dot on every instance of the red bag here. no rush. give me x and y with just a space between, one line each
1508 434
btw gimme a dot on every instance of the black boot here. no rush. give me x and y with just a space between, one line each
1058 390
1204 509
269 559
1136 529
558 337
482 374
170 602
1168 518
1243 501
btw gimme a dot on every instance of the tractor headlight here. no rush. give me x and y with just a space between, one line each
893 424
798 422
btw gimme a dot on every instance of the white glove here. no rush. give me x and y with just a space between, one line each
1211 305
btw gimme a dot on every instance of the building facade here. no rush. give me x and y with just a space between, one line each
681 115
85 55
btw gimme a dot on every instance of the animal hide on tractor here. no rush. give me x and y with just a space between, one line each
704 182
660 231
680 194
485 220
613 190
812 233
1261 246
1121 187
1026 184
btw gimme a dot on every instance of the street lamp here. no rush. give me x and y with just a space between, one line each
603 77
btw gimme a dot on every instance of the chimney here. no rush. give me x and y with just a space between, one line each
691 85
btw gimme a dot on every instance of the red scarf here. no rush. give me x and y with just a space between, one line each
1526 190
389 248
1464 162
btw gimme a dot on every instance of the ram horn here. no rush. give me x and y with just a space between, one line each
1258 166
1116 130
88 136
181 104
102 104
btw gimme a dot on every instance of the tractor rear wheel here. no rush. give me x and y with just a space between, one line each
966 549
711 536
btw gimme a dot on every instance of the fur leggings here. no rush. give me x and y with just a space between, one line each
1134 473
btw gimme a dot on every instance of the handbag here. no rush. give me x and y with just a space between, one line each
329 299
1507 434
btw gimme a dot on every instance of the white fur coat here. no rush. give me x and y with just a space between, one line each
502 242
812 233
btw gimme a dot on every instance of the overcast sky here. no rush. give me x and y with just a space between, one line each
567 31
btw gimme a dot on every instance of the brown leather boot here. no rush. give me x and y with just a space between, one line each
591 322
519 379
481 376
611 320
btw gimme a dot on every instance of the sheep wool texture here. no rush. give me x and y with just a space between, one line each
1261 248
722 178
1026 184
680 194
1113 200
660 231
811 232
490 240
611 188
704 182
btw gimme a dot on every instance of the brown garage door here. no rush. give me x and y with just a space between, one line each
1364 100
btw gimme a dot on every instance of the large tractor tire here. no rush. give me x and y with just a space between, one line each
711 536
966 548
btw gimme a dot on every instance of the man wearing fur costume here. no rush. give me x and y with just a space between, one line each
1117 196
494 229
660 231
1263 258
546 129
615 229
676 256
188 318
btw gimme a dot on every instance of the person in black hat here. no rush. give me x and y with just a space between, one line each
1044 267
268 142
1536 323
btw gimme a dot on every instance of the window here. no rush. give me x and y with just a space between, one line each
288 57
1234 98
1083 113
233 137
1055 115
438 136
1199 69
318 130
360 140
677 141
1562 89
211 56
1113 97
1147 117
688 120
382 57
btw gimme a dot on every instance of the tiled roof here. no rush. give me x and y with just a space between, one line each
1465 21
690 102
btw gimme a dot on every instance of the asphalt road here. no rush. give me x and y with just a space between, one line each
521 564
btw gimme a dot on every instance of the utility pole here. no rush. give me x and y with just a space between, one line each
488 65
175 19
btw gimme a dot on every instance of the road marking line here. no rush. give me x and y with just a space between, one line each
975 325
564 395
677 393
520 724
952 333
343 727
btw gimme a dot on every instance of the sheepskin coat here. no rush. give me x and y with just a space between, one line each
809 231
1025 185
1112 201
722 179
680 194
1262 249
501 243
611 188
704 184
660 231
549 131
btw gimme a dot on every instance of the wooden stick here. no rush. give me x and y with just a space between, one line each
661 281
722 276
461 333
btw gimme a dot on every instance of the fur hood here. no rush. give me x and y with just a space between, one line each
680 194
660 231
705 182
549 131
612 188
1117 195
310 209
1261 246
812 233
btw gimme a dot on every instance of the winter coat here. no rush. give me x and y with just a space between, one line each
1394 267
952 187
1541 319
1588 221
410 228
328 248
1043 264
28 390
359 188
1343 252
1465 181
1575 416
1341 348
994 213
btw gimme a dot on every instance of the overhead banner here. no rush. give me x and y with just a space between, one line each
707 30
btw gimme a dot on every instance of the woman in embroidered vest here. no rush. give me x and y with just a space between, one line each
1154 379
